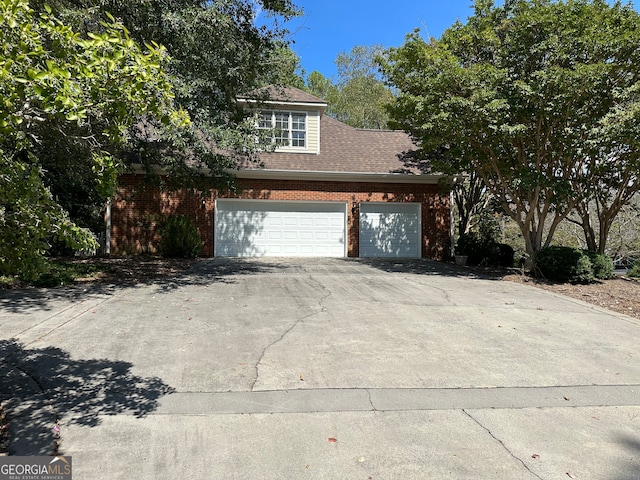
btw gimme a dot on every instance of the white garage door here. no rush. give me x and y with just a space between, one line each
249 228
390 230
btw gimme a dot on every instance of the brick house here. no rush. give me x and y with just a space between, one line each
328 190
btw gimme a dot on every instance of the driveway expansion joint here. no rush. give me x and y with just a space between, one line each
395 399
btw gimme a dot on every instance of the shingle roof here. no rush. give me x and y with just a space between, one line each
350 150
283 94
343 149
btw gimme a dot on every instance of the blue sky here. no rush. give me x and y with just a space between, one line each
329 27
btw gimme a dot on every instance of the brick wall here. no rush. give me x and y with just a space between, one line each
137 210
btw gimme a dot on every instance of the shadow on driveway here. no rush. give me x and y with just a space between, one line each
219 269
30 300
44 386
423 266
222 270
630 444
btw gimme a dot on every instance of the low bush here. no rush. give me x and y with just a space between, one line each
567 264
484 251
179 238
634 271
602 265
507 255
478 250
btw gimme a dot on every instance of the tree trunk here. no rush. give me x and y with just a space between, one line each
587 227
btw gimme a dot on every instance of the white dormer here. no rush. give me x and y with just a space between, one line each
291 115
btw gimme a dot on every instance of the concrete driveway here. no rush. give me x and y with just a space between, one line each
322 368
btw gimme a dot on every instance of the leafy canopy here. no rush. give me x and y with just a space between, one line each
359 97
526 95
62 91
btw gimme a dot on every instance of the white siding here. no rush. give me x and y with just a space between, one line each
313 132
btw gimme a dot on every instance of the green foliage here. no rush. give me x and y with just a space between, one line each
480 250
565 264
217 51
211 52
483 250
179 238
602 265
359 97
531 95
66 95
634 271
29 217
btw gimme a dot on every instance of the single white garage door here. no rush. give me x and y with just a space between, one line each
250 228
390 230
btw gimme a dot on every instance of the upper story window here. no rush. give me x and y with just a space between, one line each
288 129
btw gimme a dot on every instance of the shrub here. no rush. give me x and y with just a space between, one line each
485 251
602 265
634 271
565 264
179 238
479 250
506 255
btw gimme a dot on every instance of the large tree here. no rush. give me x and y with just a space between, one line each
215 52
359 97
65 92
527 95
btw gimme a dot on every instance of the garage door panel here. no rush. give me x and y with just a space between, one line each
273 228
390 230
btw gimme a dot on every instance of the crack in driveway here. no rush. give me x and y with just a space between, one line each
502 444
291 327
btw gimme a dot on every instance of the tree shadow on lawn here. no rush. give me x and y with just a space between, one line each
43 386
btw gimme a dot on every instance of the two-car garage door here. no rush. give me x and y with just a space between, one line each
254 228
248 228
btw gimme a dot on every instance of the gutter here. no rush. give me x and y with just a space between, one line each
314 175
336 176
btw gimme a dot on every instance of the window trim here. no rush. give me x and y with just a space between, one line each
291 139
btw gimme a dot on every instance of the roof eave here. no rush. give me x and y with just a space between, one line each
283 103
337 176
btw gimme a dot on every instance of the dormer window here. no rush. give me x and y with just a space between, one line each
288 129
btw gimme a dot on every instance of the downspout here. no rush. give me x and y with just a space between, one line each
452 227
107 232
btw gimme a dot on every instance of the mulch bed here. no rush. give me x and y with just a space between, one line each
621 294
130 270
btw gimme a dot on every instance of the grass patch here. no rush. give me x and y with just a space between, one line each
60 272
68 272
